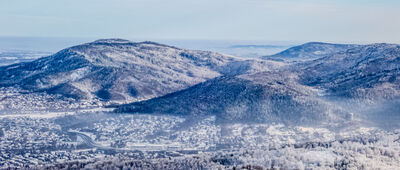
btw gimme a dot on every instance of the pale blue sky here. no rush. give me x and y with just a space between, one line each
361 21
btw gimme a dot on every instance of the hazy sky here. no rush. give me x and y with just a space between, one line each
362 21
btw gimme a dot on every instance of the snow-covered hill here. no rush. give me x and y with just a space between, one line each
309 51
369 71
123 71
292 94
260 97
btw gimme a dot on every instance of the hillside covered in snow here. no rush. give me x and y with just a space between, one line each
368 71
251 98
118 70
309 51
323 89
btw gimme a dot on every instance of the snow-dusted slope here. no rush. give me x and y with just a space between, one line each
260 97
120 70
371 71
309 51
296 93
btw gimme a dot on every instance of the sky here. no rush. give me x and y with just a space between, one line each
354 21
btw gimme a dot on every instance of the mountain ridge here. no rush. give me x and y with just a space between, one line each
363 69
121 70
309 51
249 98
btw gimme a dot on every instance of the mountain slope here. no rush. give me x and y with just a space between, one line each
371 71
120 70
260 97
309 51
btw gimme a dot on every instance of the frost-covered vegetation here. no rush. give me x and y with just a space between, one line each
16 99
202 110
95 139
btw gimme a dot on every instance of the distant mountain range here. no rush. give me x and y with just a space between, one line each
257 46
368 71
296 93
309 51
120 70
162 79
8 57
347 70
